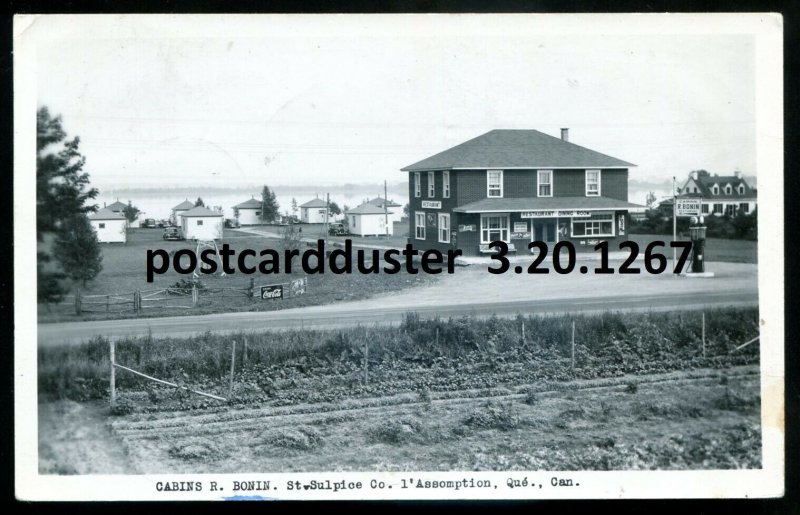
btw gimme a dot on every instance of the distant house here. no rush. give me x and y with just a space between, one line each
395 209
369 220
248 212
720 194
117 207
314 211
201 223
109 226
180 208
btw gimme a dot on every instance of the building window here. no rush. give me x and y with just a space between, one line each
592 183
417 185
715 189
444 228
494 183
431 185
446 184
494 228
730 209
601 224
102 226
704 209
419 231
717 209
744 207
741 189
199 222
544 183
728 189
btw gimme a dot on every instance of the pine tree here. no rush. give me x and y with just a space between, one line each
269 201
78 250
199 202
131 212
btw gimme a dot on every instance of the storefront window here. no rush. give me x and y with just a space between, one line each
419 217
494 228
596 225
444 228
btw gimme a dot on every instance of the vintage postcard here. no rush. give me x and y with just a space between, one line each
453 256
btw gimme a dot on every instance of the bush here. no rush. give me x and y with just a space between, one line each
396 431
302 438
494 415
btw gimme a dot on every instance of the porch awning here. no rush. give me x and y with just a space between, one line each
510 205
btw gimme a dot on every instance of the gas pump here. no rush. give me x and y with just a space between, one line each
697 233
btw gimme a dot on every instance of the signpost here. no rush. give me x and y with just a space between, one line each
274 291
688 207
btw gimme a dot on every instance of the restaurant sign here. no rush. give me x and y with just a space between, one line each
555 213
431 204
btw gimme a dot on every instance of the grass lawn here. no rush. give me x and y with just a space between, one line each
124 271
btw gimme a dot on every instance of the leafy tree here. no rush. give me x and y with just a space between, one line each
334 209
199 202
269 201
131 212
651 200
78 250
294 206
345 221
49 287
406 210
61 184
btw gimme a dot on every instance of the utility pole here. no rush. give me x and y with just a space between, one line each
674 222
386 208
327 208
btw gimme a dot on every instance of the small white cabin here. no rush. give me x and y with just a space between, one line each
369 220
201 223
395 210
109 226
314 211
248 212
179 209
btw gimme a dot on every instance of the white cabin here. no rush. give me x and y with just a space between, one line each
178 210
109 226
248 212
314 211
201 223
369 220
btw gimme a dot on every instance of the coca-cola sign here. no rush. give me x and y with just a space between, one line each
272 292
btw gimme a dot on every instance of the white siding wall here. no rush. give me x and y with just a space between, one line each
112 231
211 228
313 215
249 216
367 225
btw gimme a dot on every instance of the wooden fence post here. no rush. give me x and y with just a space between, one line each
252 289
77 302
233 360
244 353
108 299
366 362
704 335
573 345
523 331
112 381
194 295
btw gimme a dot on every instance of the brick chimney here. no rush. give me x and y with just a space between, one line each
565 133
737 174
694 174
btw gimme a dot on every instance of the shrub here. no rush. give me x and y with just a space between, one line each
396 431
494 415
196 450
631 388
302 438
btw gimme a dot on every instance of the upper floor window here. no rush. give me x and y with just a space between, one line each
431 185
494 183
592 183
715 189
446 184
728 189
417 185
544 183
741 189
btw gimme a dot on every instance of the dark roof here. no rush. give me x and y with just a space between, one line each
705 182
544 203
249 204
380 201
316 202
504 148
200 211
116 206
183 205
106 214
367 209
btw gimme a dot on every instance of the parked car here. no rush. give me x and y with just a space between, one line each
337 229
149 223
163 223
232 223
173 234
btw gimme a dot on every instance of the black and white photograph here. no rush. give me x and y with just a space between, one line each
398 256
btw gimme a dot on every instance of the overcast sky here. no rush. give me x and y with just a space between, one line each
308 107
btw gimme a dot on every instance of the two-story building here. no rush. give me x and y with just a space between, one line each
517 186
720 194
